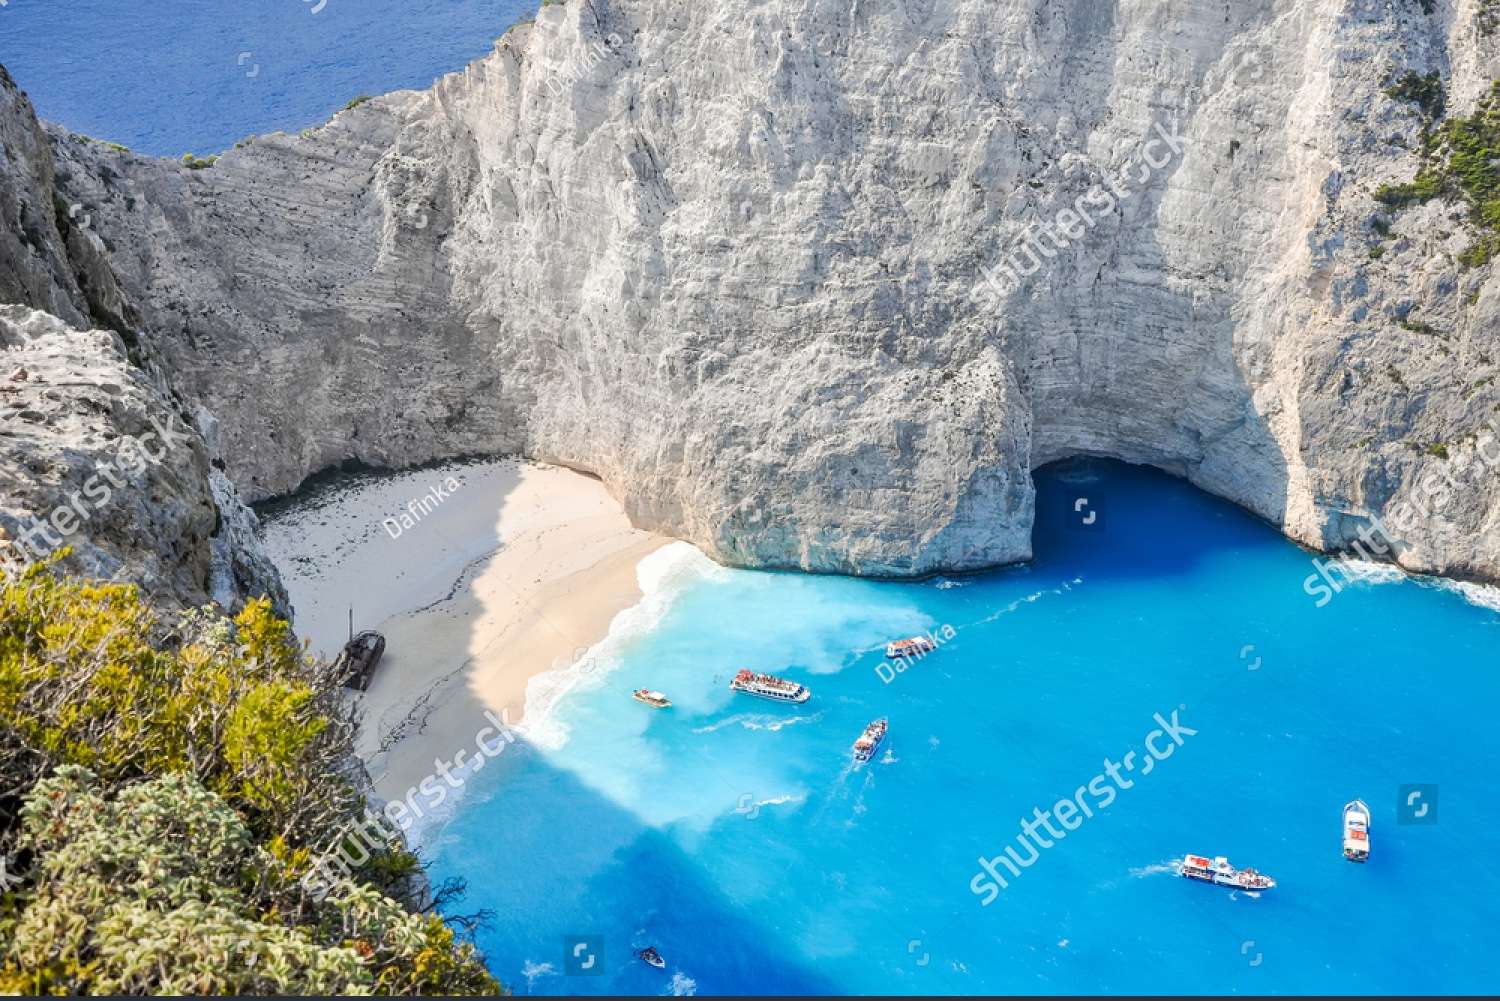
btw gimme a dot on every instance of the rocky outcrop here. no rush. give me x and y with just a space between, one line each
95 450
93 458
818 285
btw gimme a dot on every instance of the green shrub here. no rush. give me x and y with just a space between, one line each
1480 252
1461 160
162 889
87 678
210 757
357 101
192 162
1426 92
1424 188
1420 327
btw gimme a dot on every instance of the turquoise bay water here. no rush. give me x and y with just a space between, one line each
736 836
166 77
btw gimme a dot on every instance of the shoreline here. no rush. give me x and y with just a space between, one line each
516 569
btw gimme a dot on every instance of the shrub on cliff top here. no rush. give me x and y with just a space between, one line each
90 675
164 784
162 889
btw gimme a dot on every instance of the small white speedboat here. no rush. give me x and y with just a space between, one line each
1356 831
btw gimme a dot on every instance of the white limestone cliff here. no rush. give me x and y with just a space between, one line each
93 458
734 260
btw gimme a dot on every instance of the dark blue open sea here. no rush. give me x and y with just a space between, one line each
166 77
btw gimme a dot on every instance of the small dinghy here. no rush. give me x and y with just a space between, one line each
651 957
656 700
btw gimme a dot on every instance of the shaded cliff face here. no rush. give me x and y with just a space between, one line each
817 285
97 452
94 458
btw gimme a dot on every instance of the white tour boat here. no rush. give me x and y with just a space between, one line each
869 741
914 647
655 700
1219 872
768 686
1356 831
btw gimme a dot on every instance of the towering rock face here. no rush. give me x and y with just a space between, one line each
96 451
818 284
93 457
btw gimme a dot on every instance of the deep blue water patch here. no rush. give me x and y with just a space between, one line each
167 77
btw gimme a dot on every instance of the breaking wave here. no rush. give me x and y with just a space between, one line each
663 576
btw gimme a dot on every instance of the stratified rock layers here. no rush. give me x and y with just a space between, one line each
765 271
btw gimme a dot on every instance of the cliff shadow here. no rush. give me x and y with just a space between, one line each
566 868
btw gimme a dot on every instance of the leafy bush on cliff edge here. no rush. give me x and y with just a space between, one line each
163 787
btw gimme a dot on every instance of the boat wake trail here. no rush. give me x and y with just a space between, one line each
1063 588
1172 867
844 791
535 971
682 986
753 806
758 721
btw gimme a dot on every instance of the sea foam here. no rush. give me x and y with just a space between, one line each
663 576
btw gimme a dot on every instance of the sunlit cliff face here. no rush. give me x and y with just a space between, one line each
819 289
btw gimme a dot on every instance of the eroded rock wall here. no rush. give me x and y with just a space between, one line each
748 265
93 458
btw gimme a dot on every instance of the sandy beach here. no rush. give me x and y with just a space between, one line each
480 575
